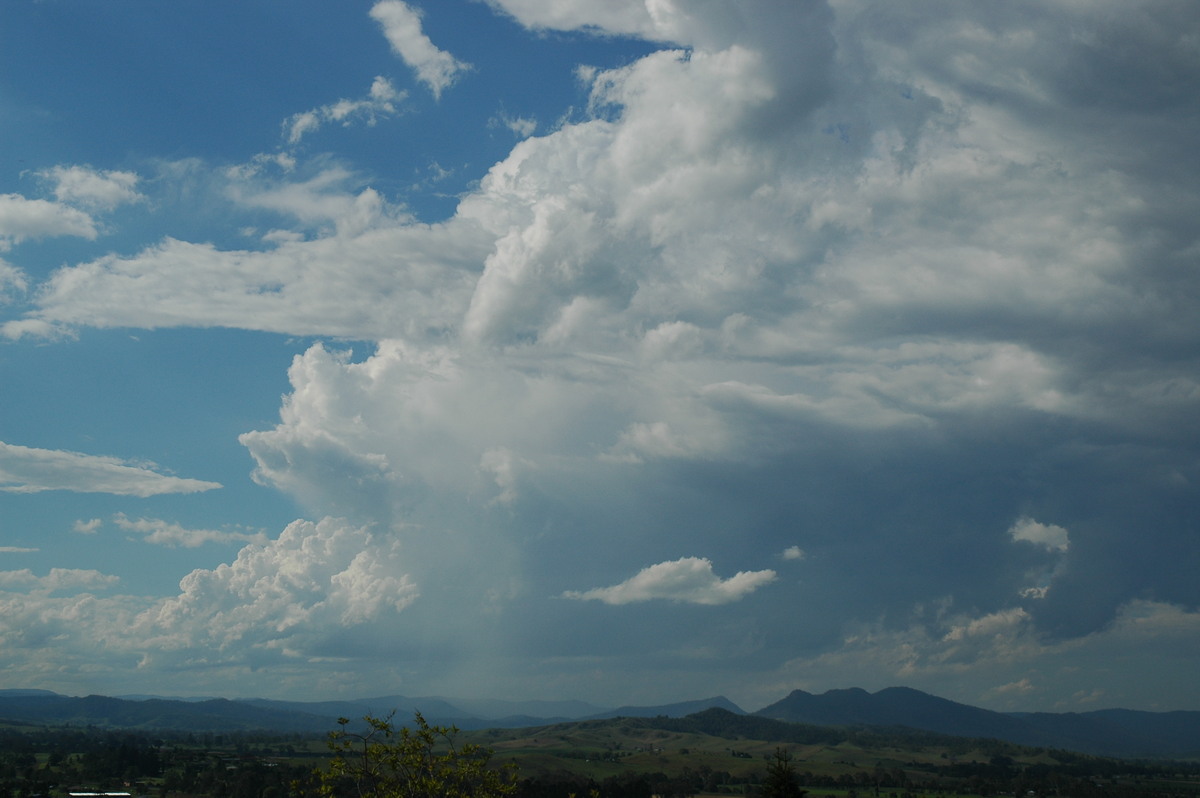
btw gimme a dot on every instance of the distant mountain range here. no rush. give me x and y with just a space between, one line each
1105 732
1111 732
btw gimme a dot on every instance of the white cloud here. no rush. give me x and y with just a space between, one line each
662 20
283 599
793 553
1021 686
402 26
58 579
964 657
619 16
165 533
687 580
814 281
28 470
521 127
288 604
22 218
88 527
754 252
12 281
17 550
286 289
381 102
1048 536
91 188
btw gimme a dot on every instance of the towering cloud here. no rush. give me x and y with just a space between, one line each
839 287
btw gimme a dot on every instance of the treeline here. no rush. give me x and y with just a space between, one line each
37 762
627 785
40 762
982 779
723 723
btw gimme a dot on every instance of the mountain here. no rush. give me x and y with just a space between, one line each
155 713
148 712
671 710
895 706
223 715
495 709
462 713
26 693
1105 732
1110 732
402 706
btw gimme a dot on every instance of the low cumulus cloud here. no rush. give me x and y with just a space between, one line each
92 188
28 470
1048 536
381 102
166 533
401 25
22 219
285 602
13 282
283 599
688 580
57 579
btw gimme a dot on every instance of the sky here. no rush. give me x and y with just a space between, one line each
630 352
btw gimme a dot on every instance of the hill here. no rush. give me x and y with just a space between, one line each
1112 732
256 714
678 710
1124 733
719 752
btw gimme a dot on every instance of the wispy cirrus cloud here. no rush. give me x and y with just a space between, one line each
27 470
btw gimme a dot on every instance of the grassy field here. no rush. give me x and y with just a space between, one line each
601 749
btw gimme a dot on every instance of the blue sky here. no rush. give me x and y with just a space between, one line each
629 352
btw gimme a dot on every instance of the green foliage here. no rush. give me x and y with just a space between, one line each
390 761
782 780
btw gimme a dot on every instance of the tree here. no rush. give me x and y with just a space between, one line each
781 780
390 761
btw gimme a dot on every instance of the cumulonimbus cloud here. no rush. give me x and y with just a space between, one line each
689 580
918 238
